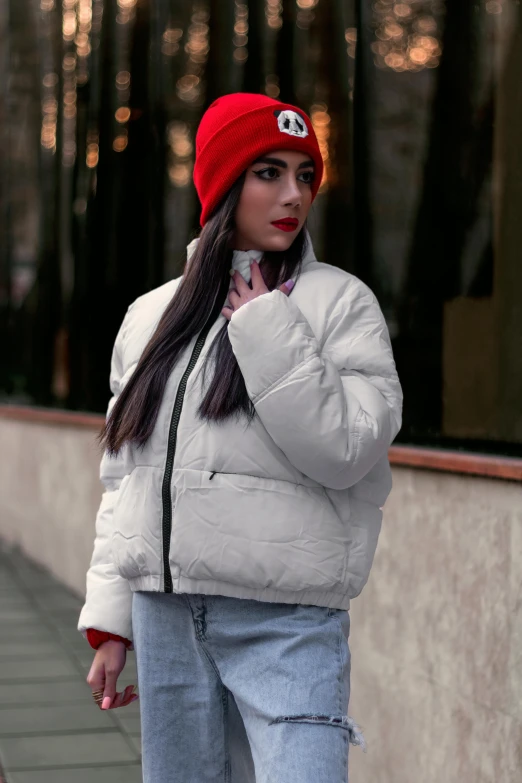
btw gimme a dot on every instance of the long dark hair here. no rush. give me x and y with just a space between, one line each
199 298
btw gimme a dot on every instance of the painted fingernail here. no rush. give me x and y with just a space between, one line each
134 697
106 703
289 284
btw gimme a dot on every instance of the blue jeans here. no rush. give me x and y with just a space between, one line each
242 691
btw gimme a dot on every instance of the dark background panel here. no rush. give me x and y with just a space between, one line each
417 109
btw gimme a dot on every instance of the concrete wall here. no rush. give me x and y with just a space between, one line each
49 495
436 635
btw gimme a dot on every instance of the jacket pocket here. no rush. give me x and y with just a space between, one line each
136 538
257 532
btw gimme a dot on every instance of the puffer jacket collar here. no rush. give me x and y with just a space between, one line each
241 259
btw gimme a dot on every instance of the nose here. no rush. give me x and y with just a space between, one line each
291 194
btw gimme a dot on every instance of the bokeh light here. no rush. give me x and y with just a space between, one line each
181 151
321 122
406 35
273 13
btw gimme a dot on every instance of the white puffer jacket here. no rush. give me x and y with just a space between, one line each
286 509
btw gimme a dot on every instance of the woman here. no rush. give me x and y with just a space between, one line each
242 511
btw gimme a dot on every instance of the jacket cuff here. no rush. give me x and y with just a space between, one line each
96 638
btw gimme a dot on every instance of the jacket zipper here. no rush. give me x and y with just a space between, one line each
169 464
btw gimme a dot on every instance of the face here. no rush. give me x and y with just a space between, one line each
278 187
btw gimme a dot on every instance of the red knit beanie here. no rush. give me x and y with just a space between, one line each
235 130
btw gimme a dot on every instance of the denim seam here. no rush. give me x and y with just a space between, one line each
339 653
224 698
340 692
224 702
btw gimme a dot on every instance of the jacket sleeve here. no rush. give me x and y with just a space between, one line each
96 638
335 408
108 601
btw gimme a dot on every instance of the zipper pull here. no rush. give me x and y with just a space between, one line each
212 475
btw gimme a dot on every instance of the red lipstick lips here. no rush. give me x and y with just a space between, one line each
286 224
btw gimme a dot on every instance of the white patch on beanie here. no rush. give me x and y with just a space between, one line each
291 122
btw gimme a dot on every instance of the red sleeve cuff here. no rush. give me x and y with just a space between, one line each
95 638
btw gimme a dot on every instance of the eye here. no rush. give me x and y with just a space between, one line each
271 173
308 176
270 170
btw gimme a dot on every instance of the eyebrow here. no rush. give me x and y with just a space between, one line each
282 163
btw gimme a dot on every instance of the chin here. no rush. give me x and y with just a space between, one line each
281 243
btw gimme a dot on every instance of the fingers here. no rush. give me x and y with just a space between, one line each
240 283
243 293
287 287
109 692
95 680
96 677
255 273
124 698
257 280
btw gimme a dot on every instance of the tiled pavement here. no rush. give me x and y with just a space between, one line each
50 728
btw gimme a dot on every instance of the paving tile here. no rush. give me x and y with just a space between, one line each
20 624
50 729
131 723
59 612
23 614
116 774
130 669
58 594
126 679
61 749
12 599
12 632
34 649
72 638
33 579
44 692
129 710
38 669
66 717
136 743
65 615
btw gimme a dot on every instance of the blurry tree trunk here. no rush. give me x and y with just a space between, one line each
218 69
433 273
5 200
363 257
141 167
47 315
157 148
285 53
338 226
84 200
98 308
253 71
218 73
